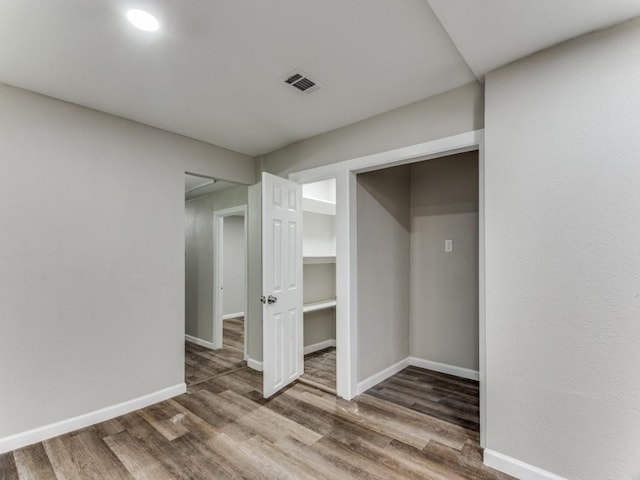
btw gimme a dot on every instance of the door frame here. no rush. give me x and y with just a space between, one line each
347 249
218 272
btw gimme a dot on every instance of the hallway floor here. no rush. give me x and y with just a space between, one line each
415 425
203 364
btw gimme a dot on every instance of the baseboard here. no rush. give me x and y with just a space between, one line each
46 432
382 375
444 368
254 364
516 468
230 316
199 341
319 346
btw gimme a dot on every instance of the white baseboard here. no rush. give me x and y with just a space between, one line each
254 364
516 468
444 368
319 346
230 316
382 375
199 341
375 379
40 434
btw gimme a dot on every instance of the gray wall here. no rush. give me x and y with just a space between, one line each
457 111
383 269
444 286
253 319
234 295
199 257
563 263
319 284
92 258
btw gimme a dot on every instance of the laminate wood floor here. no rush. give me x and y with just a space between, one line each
320 368
222 428
203 364
452 399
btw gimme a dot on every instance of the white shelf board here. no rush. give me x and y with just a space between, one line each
315 205
310 259
322 305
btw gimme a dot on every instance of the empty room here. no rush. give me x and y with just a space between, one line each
339 239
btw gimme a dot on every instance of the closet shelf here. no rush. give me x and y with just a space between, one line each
318 259
315 306
316 205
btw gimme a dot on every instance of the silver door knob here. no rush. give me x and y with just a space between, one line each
271 299
263 299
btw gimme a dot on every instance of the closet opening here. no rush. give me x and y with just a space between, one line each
319 284
215 277
418 257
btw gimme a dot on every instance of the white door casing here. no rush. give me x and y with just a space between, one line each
282 318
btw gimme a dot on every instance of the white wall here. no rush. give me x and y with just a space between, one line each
457 111
92 257
383 269
234 295
319 235
199 257
444 286
322 190
562 255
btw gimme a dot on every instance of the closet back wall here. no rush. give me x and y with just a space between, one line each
234 295
444 286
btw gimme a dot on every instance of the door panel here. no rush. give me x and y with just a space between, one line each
282 282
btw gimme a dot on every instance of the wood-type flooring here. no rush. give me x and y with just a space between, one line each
320 369
415 425
204 364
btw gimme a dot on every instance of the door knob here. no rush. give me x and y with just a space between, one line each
271 299
263 299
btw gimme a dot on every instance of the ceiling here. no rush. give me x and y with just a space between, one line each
196 186
215 69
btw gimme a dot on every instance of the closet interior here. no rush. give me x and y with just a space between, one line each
417 236
319 282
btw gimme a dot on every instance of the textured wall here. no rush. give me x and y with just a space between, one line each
562 256
92 258
444 286
199 257
234 294
383 269
456 111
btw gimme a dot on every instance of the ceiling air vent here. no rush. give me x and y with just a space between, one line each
303 83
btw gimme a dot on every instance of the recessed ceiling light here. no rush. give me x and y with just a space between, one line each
143 20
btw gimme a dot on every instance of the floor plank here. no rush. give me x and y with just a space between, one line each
320 367
202 364
415 425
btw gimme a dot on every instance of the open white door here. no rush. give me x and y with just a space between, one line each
283 352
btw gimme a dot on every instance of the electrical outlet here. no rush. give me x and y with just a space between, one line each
448 246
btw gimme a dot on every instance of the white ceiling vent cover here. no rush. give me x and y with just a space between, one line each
301 82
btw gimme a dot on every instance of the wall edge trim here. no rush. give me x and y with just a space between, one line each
382 375
39 434
515 467
255 365
199 341
445 368
319 346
